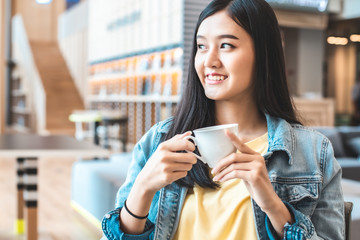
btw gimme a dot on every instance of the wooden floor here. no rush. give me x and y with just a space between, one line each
57 220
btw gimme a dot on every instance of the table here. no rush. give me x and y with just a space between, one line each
112 120
27 149
92 118
96 118
351 191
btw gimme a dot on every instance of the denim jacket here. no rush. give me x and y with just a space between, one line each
301 168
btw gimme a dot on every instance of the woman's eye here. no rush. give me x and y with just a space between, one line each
226 45
201 46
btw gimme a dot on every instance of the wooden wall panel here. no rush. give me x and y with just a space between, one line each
2 66
341 66
316 112
40 20
302 19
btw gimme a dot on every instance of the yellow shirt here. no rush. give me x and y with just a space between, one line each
223 213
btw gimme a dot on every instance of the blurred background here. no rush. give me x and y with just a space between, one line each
105 71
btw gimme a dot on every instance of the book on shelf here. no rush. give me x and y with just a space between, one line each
157 86
146 90
156 62
167 87
20 120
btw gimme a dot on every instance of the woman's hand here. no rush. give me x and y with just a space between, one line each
167 164
250 166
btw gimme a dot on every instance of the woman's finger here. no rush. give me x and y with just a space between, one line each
237 174
185 158
178 143
242 166
242 147
180 136
232 158
178 157
180 167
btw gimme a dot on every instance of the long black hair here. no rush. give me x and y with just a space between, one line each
272 96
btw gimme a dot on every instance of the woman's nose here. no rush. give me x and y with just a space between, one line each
212 59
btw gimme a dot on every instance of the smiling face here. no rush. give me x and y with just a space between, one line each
225 58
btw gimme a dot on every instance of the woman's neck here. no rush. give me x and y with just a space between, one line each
252 123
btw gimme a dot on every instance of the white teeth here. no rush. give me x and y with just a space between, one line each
216 78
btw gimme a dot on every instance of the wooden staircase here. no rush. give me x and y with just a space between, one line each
62 96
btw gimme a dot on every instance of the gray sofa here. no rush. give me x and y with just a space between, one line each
346 144
351 191
95 183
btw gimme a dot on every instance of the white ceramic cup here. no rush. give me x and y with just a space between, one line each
213 144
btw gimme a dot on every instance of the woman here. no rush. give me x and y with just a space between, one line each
283 183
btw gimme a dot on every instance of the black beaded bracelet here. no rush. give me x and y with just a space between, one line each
135 216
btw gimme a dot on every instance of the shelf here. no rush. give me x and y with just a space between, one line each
117 75
20 128
19 93
134 98
20 110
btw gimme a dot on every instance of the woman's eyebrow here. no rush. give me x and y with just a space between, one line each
220 36
228 36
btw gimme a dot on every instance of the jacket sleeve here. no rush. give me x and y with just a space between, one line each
327 220
328 216
110 223
112 231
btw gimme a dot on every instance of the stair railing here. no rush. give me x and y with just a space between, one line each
31 81
73 43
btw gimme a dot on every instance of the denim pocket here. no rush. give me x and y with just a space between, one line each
301 192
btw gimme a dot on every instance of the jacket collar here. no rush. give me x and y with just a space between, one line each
165 125
280 137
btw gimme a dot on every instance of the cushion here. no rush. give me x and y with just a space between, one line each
350 168
348 133
103 178
354 145
335 138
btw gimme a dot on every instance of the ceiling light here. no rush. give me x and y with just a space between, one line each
43 1
337 40
355 37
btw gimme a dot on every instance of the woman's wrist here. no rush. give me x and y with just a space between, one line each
128 223
272 206
141 193
134 215
279 215
141 186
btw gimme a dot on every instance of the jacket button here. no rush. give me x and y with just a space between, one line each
107 216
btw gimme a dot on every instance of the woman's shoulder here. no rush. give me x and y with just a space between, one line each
160 127
311 140
154 135
311 132
289 133
149 142
164 126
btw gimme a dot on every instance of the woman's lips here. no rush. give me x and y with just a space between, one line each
215 79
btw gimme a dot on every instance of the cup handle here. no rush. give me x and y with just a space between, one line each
197 156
